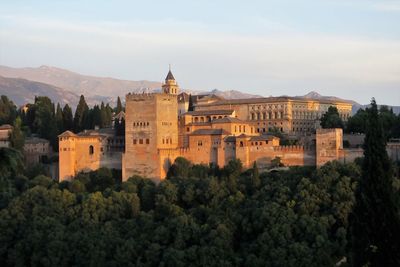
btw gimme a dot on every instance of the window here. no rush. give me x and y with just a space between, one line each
91 150
187 129
141 141
134 141
199 143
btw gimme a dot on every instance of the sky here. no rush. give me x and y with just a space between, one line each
345 48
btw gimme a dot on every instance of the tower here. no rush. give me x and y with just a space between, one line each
151 125
170 86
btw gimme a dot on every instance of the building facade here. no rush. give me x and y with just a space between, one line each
159 128
5 131
36 150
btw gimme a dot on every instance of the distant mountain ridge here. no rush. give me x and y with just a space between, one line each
22 91
95 88
65 86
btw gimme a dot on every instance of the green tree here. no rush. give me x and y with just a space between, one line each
356 123
59 119
180 168
95 118
45 121
17 137
81 114
119 107
375 220
68 120
8 111
255 181
331 119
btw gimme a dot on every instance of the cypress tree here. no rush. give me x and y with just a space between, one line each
81 114
119 106
68 120
375 220
59 119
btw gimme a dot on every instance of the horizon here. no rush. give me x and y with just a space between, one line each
267 48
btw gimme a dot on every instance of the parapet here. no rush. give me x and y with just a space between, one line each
147 96
290 148
140 96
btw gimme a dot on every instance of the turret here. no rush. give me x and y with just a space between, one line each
170 86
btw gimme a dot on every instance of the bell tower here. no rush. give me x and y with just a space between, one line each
170 86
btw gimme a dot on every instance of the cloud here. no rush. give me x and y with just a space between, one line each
139 49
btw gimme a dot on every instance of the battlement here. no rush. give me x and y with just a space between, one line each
140 96
180 150
146 96
290 148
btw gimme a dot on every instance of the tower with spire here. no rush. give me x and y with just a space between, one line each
170 86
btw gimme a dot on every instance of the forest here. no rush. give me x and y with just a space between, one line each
200 215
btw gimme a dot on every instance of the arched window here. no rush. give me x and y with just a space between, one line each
91 150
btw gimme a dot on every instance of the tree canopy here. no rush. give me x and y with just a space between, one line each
331 119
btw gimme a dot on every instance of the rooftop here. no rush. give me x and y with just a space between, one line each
169 76
209 132
6 127
227 120
35 140
209 112
260 100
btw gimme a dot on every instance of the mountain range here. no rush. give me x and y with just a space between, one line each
64 86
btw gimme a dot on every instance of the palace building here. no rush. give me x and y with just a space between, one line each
159 128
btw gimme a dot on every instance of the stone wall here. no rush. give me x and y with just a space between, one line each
151 123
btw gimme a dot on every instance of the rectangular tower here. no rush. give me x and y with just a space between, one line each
151 123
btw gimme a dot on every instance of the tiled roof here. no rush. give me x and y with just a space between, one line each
67 134
209 112
6 127
35 140
227 120
209 132
170 76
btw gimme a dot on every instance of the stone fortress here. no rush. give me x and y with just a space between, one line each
159 128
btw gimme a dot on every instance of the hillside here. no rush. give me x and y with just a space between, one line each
96 88
22 91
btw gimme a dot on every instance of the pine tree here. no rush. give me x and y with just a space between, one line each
81 115
375 219
68 120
